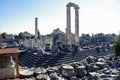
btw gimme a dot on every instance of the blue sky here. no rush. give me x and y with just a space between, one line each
95 16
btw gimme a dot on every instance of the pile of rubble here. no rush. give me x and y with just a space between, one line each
91 68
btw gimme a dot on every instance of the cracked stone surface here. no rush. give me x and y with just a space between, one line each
91 68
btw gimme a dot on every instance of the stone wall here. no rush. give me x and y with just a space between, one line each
91 68
6 71
5 61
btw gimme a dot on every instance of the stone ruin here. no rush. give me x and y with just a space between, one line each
6 69
68 29
91 68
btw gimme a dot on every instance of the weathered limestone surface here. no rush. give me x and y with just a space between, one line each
91 69
67 71
7 73
101 65
52 69
40 70
54 76
68 29
80 71
90 59
42 77
5 61
94 76
26 72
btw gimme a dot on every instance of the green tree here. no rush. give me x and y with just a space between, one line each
116 46
33 36
16 36
20 35
4 34
11 35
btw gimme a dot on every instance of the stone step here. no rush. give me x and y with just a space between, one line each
31 60
28 59
21 63
25 62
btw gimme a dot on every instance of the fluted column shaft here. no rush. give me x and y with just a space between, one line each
77 26
68 30
36 27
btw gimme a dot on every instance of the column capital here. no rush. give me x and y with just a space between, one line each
76 7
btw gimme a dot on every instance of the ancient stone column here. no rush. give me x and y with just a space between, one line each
67 71
68 30
76 26
80 71
36 29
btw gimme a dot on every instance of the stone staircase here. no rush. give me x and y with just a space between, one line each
36 60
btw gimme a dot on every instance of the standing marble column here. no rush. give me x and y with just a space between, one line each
36 27
68 30
76 26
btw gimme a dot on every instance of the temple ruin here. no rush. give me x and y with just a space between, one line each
68 29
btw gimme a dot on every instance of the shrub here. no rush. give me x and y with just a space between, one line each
116 46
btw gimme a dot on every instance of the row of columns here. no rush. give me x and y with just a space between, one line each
68 29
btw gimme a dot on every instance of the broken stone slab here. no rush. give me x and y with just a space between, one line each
110 77
94 68
84 62
91 68
30 78
74 64
115 71
80 71
107 78
26 72
54 76
106 71
74 78
91 59
105 75
42 77
23 79
116 77
118 69
94 76
61 78
101 60
52 69
101 65
67 71
40 70
18 79
83 78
